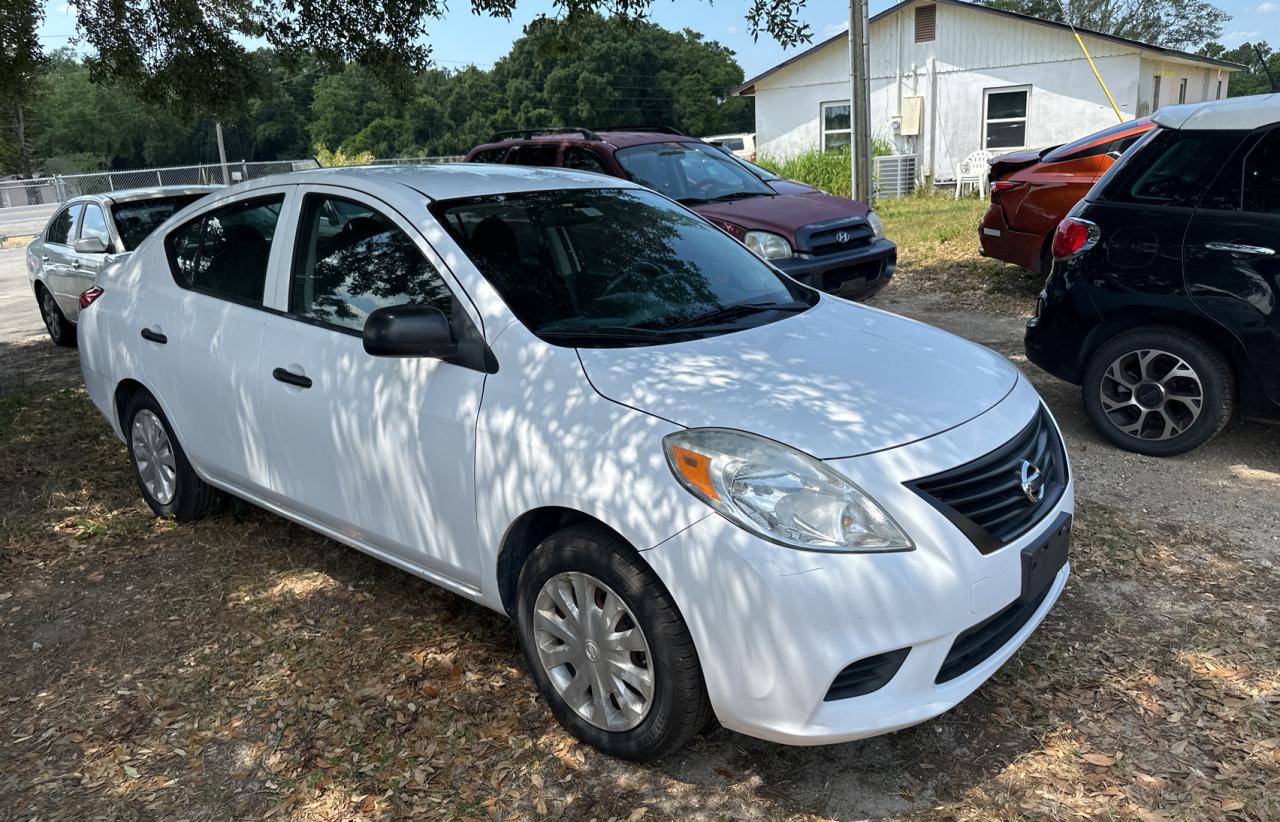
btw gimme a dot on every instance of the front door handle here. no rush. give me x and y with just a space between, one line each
75 263
154 336
291 378
1240 248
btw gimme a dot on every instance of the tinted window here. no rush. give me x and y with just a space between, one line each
136 220
583 160
1101 142
94 224
536 155
225 252
351 261
490 155
1262 176
1172 169
63 228
1006 120
689 172
577 266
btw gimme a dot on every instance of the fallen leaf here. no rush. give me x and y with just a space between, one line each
1100 759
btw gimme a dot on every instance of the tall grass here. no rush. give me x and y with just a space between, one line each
828 170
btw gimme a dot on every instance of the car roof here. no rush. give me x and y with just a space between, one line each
129 195
441 181
1232 114
620 138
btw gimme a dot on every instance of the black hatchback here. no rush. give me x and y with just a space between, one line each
1163 302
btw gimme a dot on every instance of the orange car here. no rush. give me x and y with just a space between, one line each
1031 191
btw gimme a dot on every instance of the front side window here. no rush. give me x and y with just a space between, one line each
1005 120
536 155
581 159
689 172
62 230
94 224
136 220
606 267
225 252
350 261
836 125
1173 168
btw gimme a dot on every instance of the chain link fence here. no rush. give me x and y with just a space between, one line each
26 205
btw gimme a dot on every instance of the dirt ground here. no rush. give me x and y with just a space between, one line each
243 667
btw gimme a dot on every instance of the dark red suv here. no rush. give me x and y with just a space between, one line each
831 243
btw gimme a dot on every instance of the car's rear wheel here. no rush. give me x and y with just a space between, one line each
1158 391
165 477
60 329
607 646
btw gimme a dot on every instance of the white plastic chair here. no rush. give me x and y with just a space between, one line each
973 171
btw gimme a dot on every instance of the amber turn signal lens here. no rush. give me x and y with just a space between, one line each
696 470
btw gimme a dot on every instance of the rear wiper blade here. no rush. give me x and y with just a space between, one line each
728 312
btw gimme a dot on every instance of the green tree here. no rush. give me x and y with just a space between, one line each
1254 79
1177 24
20 62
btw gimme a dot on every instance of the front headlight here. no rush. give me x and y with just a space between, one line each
877 227
780 493
767 245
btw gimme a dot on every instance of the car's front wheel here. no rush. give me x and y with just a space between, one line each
1158 391
60 329
165 477
607 646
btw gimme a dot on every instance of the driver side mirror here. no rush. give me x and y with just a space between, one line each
90 245
409 331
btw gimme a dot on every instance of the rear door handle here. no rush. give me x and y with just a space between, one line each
1240 248
154 336
291 378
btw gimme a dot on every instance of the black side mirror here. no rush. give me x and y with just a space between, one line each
409 331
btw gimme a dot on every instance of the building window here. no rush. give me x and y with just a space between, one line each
1218 95
926 23
1004 121
1182 91
1155 92
835 125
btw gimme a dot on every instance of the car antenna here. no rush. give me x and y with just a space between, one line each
1275 87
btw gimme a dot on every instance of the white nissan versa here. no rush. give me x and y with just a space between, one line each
695 485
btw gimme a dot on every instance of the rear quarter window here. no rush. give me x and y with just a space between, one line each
1174 168
490 155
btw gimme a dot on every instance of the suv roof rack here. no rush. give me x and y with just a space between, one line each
656 129
526 133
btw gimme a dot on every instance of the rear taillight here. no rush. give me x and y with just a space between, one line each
1074 236
999 187
88 296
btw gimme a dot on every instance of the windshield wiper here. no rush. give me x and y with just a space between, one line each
611 332
728 312
739 195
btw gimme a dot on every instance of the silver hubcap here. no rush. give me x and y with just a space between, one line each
1151 394
593 651
50 311
153 456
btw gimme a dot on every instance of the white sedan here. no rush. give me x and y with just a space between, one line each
697 487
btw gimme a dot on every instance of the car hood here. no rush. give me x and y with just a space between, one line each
836 381
782 213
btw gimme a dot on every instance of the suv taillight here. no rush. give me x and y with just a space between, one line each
1074 236
88 296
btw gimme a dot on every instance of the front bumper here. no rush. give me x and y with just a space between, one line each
855 274
774 626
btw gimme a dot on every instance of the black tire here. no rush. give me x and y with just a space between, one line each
192 497
679 708
1210 367
61 330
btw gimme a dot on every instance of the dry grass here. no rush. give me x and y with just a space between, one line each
243 667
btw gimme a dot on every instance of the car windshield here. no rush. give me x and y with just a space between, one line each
690 173
613 267
137 219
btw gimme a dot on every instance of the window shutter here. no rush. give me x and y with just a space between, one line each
926 23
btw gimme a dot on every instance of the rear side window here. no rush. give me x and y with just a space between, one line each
1174 168
1262 176
536 155
225 252
93 224
63 228
490 155
350 261
136 220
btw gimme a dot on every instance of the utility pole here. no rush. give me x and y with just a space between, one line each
222 154
859 100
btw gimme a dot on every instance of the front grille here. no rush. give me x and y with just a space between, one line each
832 236
866 675
985 498
982 640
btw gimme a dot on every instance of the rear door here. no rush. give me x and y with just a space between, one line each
1233 253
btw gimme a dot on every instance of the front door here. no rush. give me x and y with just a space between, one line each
85 267
1233 254
55 261
381 449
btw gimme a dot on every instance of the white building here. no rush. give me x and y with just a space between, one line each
1001 81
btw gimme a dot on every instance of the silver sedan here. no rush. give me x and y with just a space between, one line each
88 233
